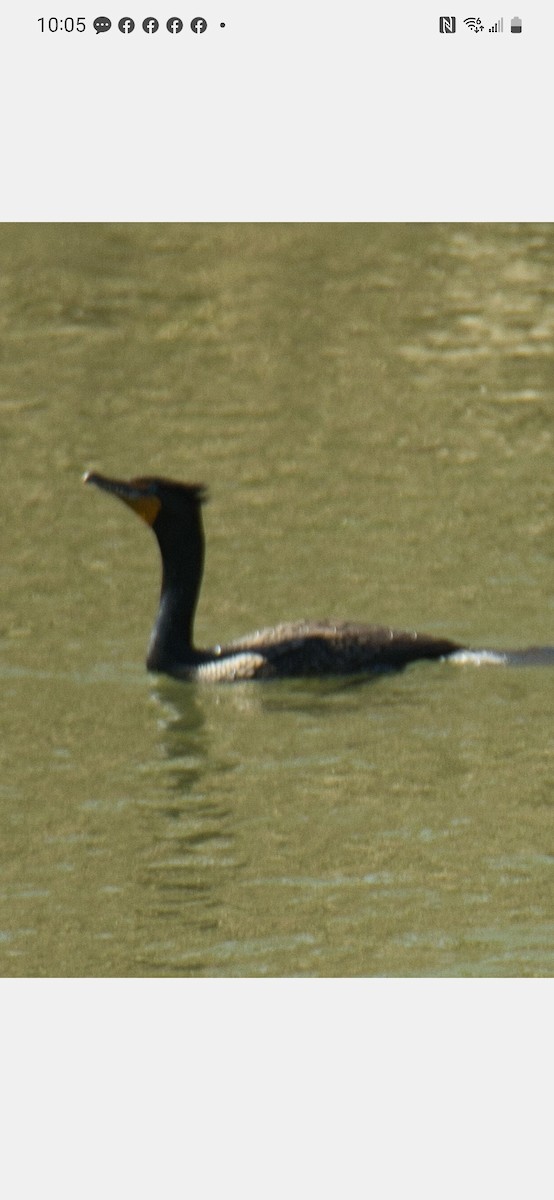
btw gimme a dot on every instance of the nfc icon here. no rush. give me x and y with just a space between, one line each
447 24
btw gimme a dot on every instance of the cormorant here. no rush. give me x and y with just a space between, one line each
303 648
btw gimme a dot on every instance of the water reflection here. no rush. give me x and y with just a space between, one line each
189 830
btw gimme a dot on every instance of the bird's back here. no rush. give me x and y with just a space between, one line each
308 648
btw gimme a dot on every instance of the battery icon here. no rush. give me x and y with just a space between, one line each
515 25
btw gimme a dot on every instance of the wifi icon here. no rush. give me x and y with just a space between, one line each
474 23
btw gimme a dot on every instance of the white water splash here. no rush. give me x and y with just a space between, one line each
479 658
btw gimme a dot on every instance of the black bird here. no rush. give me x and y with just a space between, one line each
303 648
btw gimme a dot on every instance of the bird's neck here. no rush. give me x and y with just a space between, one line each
172 638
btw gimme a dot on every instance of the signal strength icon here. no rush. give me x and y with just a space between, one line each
498 26
474 23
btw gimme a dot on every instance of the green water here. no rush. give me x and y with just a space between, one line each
371 407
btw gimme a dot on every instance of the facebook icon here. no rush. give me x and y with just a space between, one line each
198 25
126 25
150 25
174 25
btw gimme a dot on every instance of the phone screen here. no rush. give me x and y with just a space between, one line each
280 280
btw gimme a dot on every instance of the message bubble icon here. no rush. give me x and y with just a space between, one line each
102 24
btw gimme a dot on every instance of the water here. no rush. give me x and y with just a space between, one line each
371 407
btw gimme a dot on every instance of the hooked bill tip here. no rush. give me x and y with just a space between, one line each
93 477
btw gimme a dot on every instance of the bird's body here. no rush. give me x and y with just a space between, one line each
302 648
308 648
